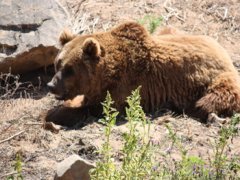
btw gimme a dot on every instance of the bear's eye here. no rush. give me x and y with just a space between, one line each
68 71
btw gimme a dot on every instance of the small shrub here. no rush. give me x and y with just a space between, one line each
106 169
222 165
137 155
151 21
137 160
189 167
18 169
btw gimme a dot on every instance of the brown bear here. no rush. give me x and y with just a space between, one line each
184 72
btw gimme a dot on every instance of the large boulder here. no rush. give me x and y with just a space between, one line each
28 33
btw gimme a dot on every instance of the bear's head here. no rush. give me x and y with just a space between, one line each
75 66
91 64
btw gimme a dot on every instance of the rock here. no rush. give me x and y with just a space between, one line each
73 168
29 31
52 127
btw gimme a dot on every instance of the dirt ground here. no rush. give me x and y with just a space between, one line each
41 149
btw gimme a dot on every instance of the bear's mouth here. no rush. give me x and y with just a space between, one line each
60 97
64 96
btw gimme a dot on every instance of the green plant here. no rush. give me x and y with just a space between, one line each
151 21
137 153
221 164
17 168
106 168
189 167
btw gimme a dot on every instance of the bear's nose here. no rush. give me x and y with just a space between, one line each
51 86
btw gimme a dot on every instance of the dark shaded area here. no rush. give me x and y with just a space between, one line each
77 118
7 49
24 28
88 152
31 84
73 117
45 74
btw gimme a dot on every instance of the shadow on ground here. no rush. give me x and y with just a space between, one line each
28 85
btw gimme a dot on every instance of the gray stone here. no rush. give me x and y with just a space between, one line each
29 31
73 168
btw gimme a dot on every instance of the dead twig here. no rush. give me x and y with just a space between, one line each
9 174
17 134
4 130
33 124
11 86
172 12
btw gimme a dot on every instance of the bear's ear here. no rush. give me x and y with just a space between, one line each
92 48
66 36
130 30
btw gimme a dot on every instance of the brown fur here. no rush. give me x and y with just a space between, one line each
65 36
190 73
170 30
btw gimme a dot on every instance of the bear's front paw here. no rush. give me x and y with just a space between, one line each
76 102
214 118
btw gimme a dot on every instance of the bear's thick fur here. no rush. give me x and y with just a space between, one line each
184 72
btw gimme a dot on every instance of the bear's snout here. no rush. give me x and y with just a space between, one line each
56 87
51 86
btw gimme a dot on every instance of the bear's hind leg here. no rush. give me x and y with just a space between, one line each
222 98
